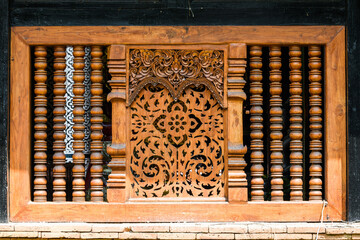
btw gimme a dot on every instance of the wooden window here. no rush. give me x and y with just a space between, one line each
183 99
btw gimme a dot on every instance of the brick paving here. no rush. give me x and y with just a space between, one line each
185 231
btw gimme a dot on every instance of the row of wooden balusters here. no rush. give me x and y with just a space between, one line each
276 124
256 146
40 127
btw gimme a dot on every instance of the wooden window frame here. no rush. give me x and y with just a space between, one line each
22 209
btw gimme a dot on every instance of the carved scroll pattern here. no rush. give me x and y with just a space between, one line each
178 67
69 106
177 146
87 96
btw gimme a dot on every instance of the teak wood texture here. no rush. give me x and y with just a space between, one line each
123 40
96 156
257 134
177 147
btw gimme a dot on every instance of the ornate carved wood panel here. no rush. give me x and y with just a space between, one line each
177 146
176 70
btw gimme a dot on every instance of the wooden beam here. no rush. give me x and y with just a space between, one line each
188 212
20 124
109 35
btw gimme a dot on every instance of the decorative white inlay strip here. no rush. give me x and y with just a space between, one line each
69 107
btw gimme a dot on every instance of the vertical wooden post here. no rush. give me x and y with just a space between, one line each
59 169
296 135
315 90
276 144
96 156
78 135
117 69
237 183
40 169
256 119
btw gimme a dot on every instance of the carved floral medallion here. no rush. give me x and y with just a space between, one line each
177 147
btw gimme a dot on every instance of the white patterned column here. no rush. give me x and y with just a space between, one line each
69 106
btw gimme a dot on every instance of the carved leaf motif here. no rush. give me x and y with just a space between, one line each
177 146
176 66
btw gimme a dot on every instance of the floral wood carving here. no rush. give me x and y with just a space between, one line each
176 70
177 147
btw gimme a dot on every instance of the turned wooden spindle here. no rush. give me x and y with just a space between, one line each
96 156
59 170
315 112
40 145
256 119
296 135
78 135
276 126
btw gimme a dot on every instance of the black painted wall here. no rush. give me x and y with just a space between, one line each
353 38
178 12
4 106
189 12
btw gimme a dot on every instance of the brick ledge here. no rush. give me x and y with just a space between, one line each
243 230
